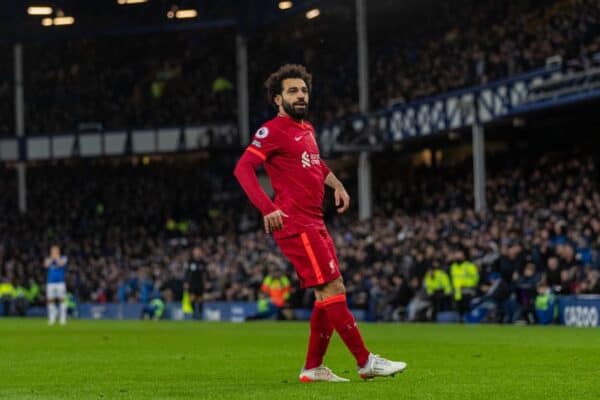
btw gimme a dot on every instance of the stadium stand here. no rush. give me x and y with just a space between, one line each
501 39
146 81
543 209
190 77
128 224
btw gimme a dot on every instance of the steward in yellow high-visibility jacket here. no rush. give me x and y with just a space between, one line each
278 287
438 290
7 296
7 289
465 278
437 281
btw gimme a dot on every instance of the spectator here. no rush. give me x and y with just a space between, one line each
526 290
465 280
438 289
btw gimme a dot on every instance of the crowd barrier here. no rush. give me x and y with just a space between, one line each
579 311
212 311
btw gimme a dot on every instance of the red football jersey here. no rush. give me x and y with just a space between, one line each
289 152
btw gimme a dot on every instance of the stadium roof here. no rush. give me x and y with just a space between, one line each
123 17
120 17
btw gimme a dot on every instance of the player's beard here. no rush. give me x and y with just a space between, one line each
297 114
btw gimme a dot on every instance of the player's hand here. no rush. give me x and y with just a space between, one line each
274 221
342 199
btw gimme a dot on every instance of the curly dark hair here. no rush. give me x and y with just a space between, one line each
274 83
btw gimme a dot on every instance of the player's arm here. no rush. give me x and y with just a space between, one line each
245 172
47 262
342 199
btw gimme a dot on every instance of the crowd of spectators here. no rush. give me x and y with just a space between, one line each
170 79
481 42
128 230
158 80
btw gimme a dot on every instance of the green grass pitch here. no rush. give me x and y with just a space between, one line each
191 360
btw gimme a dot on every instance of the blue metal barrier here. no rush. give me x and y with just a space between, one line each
212 311
580 311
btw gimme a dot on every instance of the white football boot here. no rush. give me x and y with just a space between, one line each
320 374
378 366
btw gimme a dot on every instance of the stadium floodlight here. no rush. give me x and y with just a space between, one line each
58 21
124 2
284 5
314 13
187 13
39 10
64 21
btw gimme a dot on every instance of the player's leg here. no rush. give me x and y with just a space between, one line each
320 328
51 311
320 335
62 296
199 308
198 303
63 311
331 293
332 296
50 302
194 303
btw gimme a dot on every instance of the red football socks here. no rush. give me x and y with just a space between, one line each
343 321
320 334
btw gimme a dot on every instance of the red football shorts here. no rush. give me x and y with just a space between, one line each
313 255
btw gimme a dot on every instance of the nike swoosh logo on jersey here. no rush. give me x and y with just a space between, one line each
301 136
